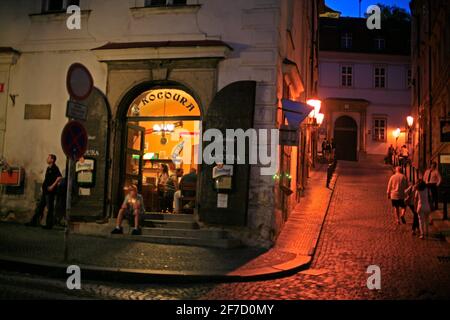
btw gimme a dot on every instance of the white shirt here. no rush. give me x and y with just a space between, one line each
432 176
397 186
421 197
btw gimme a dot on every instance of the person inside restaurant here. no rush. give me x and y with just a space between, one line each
188 181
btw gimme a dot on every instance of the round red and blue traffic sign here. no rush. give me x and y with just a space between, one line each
74 140
79 82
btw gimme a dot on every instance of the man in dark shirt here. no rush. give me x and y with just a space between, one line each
51 180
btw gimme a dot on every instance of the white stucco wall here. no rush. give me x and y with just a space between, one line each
392 101
47 49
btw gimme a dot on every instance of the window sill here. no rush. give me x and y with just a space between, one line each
138 12
55 16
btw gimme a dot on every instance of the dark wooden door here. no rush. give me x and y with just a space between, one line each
346 139
93 204
232 108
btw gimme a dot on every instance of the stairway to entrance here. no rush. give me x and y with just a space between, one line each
173 229
182 229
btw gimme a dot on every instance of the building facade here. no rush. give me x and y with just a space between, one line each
193 65
364 84
431 84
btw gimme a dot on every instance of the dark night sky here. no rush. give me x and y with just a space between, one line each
350 8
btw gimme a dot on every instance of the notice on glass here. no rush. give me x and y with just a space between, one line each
222 200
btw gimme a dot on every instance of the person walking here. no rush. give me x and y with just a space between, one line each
433 179
423 208
396 193
49 188
410 202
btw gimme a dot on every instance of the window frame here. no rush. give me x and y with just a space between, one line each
376 118
378 41
380 77
65 4
168 3
347 39
347 75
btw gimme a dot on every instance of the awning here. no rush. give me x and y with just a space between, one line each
295 112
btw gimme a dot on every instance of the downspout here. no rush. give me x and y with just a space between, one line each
430 72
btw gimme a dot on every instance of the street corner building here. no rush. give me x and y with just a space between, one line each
431 84
162 70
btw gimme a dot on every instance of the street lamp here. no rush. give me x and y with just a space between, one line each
316 104
319 119
410 121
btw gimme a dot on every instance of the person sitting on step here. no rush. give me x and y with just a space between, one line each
133 206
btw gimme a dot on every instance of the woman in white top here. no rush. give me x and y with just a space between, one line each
423 208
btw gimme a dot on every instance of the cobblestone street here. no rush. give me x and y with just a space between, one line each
359 232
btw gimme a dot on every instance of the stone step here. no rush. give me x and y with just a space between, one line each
169 216
170 224
188 241
184 233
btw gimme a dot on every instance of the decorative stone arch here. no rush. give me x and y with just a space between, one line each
120 123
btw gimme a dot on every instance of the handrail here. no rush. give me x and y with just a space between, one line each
441 147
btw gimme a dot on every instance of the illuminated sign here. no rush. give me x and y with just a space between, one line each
2 87
164 102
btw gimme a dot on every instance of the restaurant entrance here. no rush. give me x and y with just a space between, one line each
163 130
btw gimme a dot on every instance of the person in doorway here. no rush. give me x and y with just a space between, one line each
396 192
132 206
433 179
423 208
49 188
163 177
170 189
410 202
190 178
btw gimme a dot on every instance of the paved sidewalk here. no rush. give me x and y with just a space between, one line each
30 249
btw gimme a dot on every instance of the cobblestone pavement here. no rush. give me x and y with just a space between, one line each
359 232
30 287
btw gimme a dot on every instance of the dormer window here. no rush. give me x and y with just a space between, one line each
49 6
164 3
346 41
380 44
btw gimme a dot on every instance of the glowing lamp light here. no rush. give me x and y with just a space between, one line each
316 104
319 118
397 133
164 128
410 121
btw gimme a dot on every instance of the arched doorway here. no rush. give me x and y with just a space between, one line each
160 126
346 138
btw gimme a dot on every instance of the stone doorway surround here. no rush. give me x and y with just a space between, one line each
133 68
335 108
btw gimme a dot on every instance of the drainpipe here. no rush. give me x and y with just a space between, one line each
430 72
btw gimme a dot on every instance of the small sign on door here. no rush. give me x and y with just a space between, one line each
222 200
2 87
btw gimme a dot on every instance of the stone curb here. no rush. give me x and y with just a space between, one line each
94 273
